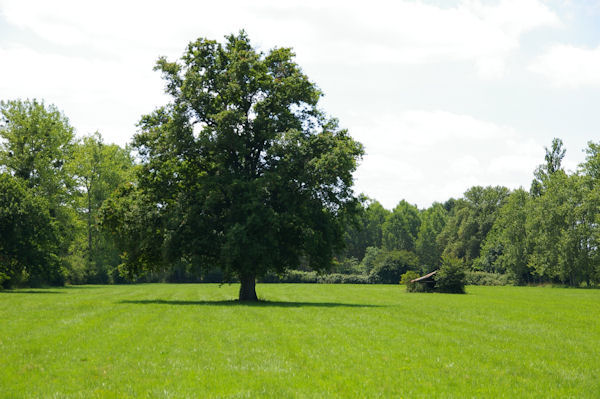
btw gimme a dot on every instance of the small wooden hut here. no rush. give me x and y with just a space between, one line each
427 281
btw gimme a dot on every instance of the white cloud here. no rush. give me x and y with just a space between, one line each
403 32
569 66
94 60
426 156
102 95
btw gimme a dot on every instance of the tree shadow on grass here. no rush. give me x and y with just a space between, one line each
30 292
48 290
278 304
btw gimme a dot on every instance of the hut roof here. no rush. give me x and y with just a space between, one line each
424 278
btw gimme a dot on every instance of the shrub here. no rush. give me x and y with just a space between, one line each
391 265
74 269
337 278
484 278
406 280
290 276
451 277
346 266
300 276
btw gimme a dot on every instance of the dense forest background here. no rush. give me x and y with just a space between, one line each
55 189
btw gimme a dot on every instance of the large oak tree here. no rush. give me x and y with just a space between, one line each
242 169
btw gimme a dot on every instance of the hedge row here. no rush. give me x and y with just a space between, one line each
483 278
298 276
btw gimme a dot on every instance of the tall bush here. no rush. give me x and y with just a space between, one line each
451 277
407 278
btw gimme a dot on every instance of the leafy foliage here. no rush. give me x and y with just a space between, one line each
505 249
36 141
135 224
28 248
406 280
591 166
554 156
564 230
428 249
313 277
401 227
451 276
346 266
242 175
372 255
485 278
470 221
99 169
242 170
366 230
392 265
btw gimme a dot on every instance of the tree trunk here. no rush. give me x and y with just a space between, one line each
248 288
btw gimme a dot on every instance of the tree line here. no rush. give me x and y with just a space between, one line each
243 177
241 172
52 186
57 190
547 234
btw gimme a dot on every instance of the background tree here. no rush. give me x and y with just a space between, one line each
28 248
36 142
242 168
372 255
429 251
470 221
135 223
546 222
591 166
578 259
550 235
554 156
391 265
401 227
505 249
590 171
98 170
366 231
562 226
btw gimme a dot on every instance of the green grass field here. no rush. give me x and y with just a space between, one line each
179 341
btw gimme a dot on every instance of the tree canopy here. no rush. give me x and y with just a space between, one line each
98 170
28 248
242 168
55 185
427 248
366 231
470 221
401 227
37 142
241 176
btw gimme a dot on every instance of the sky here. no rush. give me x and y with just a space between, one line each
444 95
